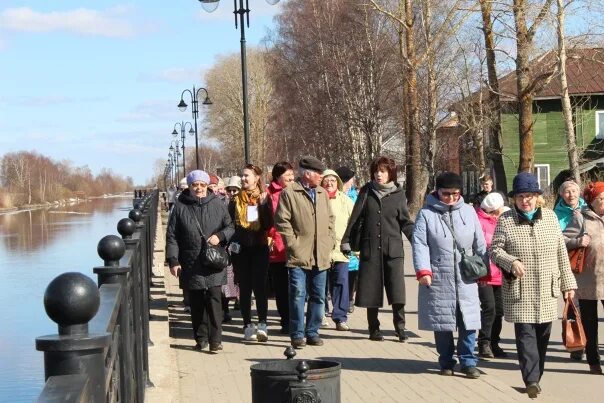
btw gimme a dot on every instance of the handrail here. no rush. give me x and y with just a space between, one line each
100 353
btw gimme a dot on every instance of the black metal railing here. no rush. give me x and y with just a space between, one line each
100 353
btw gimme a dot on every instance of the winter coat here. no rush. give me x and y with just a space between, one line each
184 242
307 227
590 281
277 254
434 254
488 224
565 215
381 247
341 207
539 245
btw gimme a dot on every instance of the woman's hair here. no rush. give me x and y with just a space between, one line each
386 163
258 171
279 169
485 178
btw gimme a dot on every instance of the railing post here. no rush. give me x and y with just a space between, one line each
71 300
111 249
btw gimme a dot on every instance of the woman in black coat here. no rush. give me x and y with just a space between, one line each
378 218
198 211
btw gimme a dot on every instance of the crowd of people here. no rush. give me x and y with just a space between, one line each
322 246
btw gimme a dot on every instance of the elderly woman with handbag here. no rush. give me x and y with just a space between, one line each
529 248
587 231
447 240
200 224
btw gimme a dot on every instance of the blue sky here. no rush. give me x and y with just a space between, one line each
99 86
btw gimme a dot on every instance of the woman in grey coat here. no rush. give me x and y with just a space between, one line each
197 212
446 299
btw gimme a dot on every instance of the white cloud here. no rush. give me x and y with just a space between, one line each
258 8
112 22
154 110
176 75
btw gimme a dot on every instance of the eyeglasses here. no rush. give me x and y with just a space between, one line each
450 194
524 197
232 190
330 180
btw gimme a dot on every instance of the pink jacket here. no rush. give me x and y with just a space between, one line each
277 254
488 224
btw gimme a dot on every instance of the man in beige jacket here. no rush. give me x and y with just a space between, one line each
305 221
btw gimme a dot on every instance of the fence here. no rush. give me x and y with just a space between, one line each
100 353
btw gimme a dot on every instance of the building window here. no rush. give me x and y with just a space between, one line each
600 124
542 173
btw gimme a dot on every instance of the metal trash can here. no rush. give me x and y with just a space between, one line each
271 380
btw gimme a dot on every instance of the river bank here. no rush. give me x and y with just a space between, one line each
63 202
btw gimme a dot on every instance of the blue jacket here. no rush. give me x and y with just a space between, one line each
434 253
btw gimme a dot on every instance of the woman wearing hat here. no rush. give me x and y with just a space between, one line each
447 300
489 287
381 210
528 246
282 176
199 211
587 229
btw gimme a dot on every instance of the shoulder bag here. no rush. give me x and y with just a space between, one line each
577 256
214 257
472 267
573 335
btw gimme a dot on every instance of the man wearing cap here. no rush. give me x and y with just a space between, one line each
305 221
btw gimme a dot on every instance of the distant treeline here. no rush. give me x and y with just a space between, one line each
31 178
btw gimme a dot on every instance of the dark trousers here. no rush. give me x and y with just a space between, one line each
251 266
398 318
531 342
206 314
589 317
280 281
491 314
352 283
338 289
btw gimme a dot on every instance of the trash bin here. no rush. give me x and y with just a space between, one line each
271 380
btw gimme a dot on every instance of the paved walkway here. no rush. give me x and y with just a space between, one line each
371 371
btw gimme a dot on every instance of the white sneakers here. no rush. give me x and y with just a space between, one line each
262 332
249 333
252 333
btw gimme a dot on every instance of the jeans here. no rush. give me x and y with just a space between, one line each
278 273
251 266
491 314
301 282
531 342
465 346
339 291
589 317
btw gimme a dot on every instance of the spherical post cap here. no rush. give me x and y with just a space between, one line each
111 248
71 299
136 215
126 227
138 205
289 352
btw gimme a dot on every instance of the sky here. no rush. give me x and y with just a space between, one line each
97 83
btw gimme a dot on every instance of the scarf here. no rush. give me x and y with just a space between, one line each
382 190
530 214
242 200
332 195
565 213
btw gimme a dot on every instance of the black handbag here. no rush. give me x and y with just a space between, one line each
213 257
357 228
472 266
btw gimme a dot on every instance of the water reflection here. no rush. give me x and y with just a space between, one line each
35 247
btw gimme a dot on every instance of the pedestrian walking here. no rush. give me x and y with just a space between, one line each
199 218
528 246
447 300
378 220
586 229
306 223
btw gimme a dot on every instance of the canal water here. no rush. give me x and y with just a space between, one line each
35 247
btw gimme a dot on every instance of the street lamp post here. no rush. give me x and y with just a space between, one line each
175 149
243 13
182 105
183 126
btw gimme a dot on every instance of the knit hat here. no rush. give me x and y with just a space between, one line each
525 182
329 172
311 163
213 179
234 182
592 191
198 176
449 180
566 184
345 173
493 201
